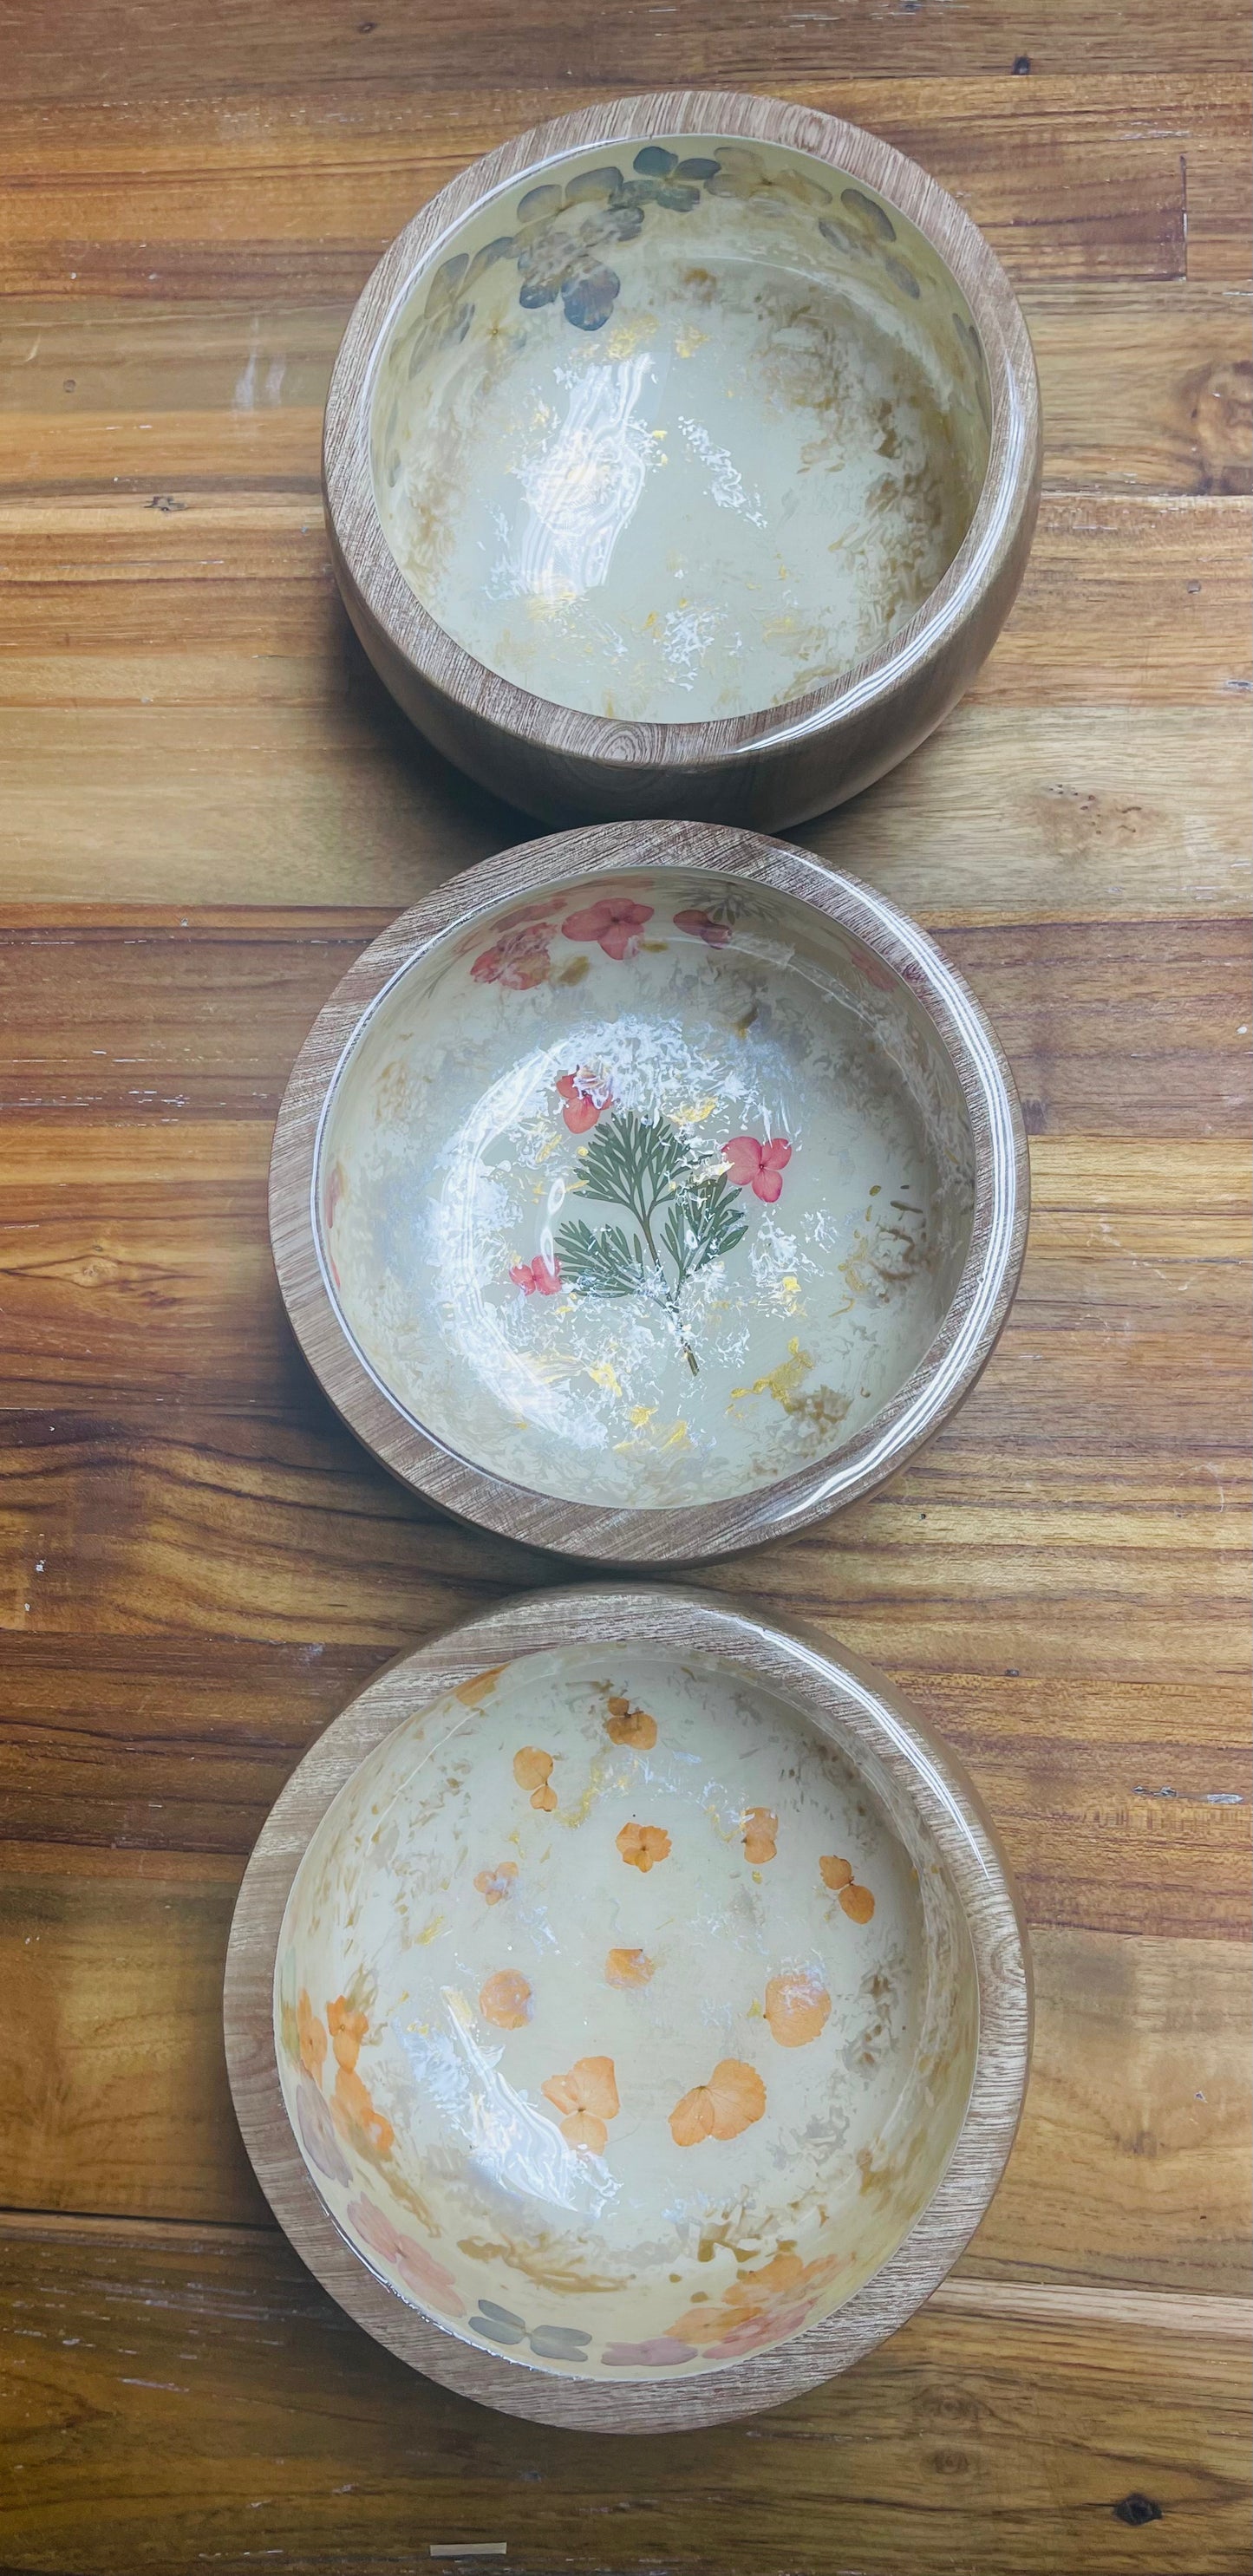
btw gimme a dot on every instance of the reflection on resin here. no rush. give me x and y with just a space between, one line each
618 2083
650 1193
675 447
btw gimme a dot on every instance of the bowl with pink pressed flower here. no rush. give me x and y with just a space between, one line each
648 1191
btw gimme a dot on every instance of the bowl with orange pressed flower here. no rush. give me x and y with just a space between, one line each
648 1191
628 2009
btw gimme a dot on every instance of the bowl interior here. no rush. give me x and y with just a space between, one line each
648 1192
681 431
626 2023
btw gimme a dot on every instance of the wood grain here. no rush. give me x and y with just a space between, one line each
909 1415
926 1795
770 768
212 2372
1135 2122
184 724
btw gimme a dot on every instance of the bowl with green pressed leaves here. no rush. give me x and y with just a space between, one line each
683 456
649 1191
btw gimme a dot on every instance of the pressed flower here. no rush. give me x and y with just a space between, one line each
614 924
347 2028
627 1968
642 1846
312 2038
857 1902
730 2102
757 1167
505 1999
537 1278
703 925
585 1101
586 2097
661 2352
417 2268
519 960
355 2116
472 1693
836 1873
755 2328
797 2008
759 1829
759 2307
495 1884
531 1770
317 2131
633 1726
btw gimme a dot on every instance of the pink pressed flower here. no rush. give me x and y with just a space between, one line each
537 1278
702 925
661 2352
418 2270
760 2326
614 923
759 1168
519 959
585 1100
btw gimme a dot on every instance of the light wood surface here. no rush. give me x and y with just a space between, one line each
210 809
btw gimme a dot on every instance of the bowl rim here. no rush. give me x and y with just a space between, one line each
627 745
680 1533
847 1700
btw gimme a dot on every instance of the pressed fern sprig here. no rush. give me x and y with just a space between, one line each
644 1165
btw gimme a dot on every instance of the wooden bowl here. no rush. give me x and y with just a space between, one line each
649 1191
682 456
628 2009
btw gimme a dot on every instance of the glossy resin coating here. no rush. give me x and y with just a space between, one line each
680 433
624 2027
682 456
649 1192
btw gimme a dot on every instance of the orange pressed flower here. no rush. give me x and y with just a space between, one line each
473 1692
797 2008
759 1829
760 2306
497 1883
587 2097
312 2038
356 2118
627 1968
347 2029
642 1846
631 1726
857 1902
506 2000
531 1770
730 2102
835 1873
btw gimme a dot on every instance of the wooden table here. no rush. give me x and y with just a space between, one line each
208 808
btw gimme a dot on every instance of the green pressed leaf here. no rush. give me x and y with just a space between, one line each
604 1264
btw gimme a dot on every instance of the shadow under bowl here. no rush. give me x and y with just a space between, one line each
648 1192
628 2009
682 456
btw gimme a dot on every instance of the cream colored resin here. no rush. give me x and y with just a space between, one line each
685 442
736 1323
625 2027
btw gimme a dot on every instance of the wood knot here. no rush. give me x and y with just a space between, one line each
1136 2509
